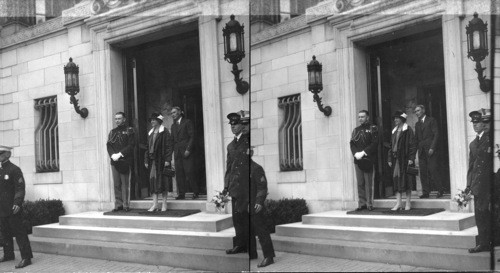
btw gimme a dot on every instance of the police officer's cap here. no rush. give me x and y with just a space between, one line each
240 117
475 116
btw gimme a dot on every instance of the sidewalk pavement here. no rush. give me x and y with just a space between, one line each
284 262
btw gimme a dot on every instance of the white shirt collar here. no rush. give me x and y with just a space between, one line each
179 120
480 135
423 118
238 136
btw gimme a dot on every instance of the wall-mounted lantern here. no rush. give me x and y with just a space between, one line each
315 70
234 51
73 86
477 48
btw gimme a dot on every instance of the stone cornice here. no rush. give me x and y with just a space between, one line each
279 30
33 32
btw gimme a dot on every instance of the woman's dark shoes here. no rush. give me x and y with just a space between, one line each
195 196
266 262
370 208
23 263
180 197
4 259
439 194
127 209
423 196
236 250
479 248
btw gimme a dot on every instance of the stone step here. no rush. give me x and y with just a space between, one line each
193 258
439 221
201 221
415 203
436 238
432 257
203 240
199 204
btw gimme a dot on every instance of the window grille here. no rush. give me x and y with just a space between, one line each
290 134
47 136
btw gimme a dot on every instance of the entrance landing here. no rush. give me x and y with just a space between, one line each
439 240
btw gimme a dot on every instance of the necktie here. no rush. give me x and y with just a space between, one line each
235 139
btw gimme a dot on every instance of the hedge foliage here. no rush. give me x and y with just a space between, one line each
41 212
284 211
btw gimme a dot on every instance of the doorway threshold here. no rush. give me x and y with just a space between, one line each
443 202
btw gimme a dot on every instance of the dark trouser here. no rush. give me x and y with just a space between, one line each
429 171
122 188
184 170
241 225
12 226
365 187
483 225
259 228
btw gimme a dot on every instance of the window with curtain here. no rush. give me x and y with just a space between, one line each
290 133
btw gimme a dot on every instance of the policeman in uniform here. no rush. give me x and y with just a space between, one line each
120 147
479 178
258 194
364 145
236 180
12 191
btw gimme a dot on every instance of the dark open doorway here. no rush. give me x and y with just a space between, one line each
404 73
162 74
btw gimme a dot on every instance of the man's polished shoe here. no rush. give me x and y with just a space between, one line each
23 263
180 197
236 250
439 194
266 262
361 208
117 209
423 196
195 196
4 259
127 209
479 248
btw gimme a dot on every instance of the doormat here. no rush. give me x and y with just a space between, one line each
389 212
143 212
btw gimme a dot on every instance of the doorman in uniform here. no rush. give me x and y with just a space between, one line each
183 134
479 178
236 180
258 194
364 146
120 145
12 191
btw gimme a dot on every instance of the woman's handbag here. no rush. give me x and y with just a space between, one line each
412 170
169 171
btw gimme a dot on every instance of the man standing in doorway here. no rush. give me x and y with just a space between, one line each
479 178
364 146
12 191
183 133
426 136
236 181
120 145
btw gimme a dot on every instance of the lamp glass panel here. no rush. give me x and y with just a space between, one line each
318 77
310 77
233 46
66 79
476 40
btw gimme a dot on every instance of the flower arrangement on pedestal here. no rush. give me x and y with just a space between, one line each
463 198
220 200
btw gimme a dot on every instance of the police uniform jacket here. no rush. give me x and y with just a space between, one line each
365 138
12 188
236 179
183 136
121 140
480 169
258 185
426 135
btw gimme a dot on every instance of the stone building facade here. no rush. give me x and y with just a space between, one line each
345 36
98 39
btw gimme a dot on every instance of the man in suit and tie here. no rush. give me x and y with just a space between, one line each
426 136
479 178
183 134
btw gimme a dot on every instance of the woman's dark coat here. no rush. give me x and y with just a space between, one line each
163 147
407 148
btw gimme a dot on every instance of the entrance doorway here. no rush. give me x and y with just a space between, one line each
404 73
160 75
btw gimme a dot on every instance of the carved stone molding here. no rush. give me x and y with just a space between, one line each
32 32
288 26
102 6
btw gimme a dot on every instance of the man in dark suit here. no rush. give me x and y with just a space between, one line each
258 194
364 145
183 134
236 181
479 178
12 191
426 136
120 147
